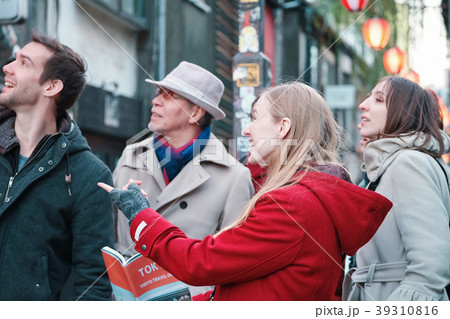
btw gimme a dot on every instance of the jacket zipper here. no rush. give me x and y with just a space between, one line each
11 179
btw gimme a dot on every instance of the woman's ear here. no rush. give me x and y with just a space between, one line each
285 127
53 88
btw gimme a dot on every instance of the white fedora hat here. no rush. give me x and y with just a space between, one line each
196 84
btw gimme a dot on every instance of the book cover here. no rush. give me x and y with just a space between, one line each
140 278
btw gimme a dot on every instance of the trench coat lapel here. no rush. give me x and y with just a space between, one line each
193 174
190 177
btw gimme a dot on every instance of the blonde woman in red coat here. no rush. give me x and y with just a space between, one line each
289 241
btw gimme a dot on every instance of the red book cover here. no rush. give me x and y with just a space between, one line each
140 278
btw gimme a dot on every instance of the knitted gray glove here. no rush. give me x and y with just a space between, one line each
130 201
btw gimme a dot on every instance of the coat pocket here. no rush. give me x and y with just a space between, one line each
42 283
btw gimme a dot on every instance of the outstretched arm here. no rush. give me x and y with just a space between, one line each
130 199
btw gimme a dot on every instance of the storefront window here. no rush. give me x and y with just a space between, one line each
133 8
113 4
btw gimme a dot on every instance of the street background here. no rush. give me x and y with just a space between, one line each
248 44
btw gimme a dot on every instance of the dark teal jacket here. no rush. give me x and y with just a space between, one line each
48 226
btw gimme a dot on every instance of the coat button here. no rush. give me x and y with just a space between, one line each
63 145
183 205
144 247
7 200
41 169
50 162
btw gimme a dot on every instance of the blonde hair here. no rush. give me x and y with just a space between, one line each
314 138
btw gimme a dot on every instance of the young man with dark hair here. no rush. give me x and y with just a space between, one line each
53 217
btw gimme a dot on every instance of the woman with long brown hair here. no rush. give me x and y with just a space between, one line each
289 242
409 256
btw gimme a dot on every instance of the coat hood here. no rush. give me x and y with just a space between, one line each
334 170
356 212
8 137
259 173
78 142
5 113
379 154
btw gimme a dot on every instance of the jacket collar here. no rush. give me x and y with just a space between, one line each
143 158
8 138
214 151
380 154
5 113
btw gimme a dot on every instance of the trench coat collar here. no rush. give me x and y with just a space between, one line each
191 176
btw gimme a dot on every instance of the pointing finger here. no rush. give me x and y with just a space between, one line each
106 187
138 182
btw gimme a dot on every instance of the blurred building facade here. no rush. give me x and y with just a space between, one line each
127 41
445 5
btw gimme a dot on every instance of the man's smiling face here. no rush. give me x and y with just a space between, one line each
22 86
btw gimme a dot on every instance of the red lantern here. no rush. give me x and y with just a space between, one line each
412 76
354 5
444 112
376 33
394 60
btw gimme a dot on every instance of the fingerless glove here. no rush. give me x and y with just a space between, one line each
130 201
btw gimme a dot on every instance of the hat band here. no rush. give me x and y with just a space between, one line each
189 89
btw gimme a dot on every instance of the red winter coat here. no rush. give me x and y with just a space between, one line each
290 247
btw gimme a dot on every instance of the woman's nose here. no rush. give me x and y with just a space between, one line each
363 105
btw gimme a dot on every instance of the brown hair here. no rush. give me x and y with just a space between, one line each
410 110
65 65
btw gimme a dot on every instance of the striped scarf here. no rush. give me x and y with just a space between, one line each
172 160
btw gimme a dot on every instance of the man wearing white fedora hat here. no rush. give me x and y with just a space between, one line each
186 171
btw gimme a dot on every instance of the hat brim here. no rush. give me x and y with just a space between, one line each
199 100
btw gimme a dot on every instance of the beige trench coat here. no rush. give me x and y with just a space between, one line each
207 195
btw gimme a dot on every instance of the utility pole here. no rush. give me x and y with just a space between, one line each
251 70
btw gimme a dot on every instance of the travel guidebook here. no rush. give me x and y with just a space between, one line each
140 278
